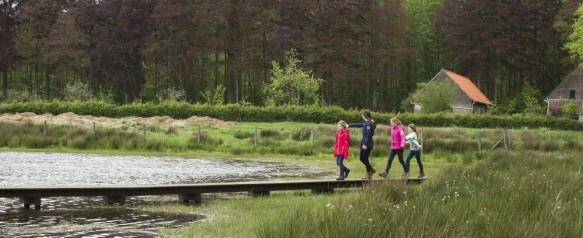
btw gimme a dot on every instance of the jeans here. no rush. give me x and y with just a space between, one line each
340 163
417 154
364 154
392 154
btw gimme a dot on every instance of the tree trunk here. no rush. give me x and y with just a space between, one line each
48 82
5 83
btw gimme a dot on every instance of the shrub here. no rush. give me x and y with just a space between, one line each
311 114
301 134
243 134
264 133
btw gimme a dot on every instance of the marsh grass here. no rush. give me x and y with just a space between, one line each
508 194
266 133
243 134
285 138
301 134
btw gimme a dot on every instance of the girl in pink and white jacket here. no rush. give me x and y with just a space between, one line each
397 147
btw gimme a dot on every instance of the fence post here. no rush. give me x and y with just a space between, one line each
46 128
255 137
198 135
479 142
506 139
94 131
421 139
144 133
312 137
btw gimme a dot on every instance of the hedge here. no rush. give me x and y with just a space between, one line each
309 114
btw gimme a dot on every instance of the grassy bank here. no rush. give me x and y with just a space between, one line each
504 194
509 194
531 190
282 139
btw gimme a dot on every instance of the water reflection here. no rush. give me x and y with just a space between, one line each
85 216
36 169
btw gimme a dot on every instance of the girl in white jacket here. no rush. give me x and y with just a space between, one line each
414 149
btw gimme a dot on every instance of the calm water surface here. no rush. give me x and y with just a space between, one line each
87 217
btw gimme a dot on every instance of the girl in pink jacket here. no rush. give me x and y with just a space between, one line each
397 147
341 149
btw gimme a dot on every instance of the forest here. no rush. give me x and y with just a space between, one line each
367 53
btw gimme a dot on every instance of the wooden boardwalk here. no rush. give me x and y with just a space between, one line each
113 194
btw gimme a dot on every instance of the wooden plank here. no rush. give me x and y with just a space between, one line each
140 190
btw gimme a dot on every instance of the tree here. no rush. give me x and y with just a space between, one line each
8 11
67 49
501 42
426 60
575 42
435 96
291 85
118 31
35 24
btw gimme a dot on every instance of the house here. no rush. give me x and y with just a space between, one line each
467 98
571 88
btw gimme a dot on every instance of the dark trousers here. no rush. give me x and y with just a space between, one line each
364 154
392 154
417 154
340 163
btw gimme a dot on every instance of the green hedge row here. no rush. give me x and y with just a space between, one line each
310 114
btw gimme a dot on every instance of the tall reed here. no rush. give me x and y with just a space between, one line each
508 194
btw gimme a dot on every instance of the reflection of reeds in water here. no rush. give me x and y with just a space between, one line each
93 221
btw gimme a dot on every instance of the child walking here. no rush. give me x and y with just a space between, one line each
341 149
367 142
414 149
397 147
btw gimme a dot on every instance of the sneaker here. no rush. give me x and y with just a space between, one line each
421 175
346 173
406 175
383 174
340 178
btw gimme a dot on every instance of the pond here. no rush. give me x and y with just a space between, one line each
88 217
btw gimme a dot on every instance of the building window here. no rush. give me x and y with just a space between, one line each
572 94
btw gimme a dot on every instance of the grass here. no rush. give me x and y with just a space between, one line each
533 190
507 194
266 139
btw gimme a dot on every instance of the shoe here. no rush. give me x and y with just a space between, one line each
421 175
406 175
383 174
340 178
367 176
346 173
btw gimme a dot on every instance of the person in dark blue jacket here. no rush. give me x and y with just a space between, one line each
367 143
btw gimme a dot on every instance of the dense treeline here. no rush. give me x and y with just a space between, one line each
370 54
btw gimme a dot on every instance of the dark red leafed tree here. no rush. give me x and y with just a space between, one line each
500 40
181 42
34 26
347 43
67 49
118 31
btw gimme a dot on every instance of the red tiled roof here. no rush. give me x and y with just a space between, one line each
469 88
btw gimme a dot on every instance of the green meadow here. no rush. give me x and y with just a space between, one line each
478 185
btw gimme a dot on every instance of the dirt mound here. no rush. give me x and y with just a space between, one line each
73 119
